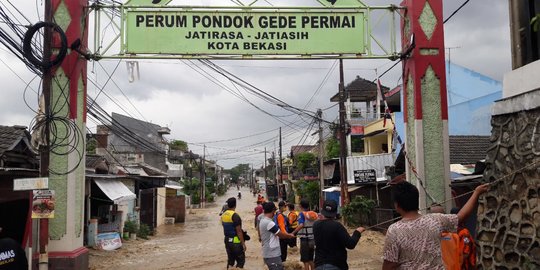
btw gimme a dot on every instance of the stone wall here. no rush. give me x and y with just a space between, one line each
509 214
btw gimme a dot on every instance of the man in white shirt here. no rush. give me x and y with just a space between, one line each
270 234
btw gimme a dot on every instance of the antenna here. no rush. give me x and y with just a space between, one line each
449 79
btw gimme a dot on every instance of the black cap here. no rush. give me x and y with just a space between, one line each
268 207
329 209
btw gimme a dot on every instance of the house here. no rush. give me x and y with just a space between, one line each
17 160
128 140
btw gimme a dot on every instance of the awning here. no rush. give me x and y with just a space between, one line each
332 189
115 190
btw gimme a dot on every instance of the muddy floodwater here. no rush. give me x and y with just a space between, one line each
198 244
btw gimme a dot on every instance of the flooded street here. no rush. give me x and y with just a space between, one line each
198 244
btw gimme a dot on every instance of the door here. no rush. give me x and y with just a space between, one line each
148 207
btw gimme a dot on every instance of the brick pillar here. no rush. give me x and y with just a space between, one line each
425 99
68 101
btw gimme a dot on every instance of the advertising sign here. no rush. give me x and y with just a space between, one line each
109 241
365 176
43 204
268 32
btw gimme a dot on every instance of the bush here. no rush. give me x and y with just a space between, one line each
130 226
357 211
144 231
221 189
210 198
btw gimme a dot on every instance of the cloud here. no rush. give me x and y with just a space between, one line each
171 93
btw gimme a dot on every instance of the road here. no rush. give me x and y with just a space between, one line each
198 244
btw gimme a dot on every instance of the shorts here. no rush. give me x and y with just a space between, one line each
307 249
274 263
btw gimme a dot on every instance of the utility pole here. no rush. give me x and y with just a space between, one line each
280 159
342 139
203 177
44 149
265 165
321 157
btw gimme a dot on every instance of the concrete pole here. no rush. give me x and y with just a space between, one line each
321 159
342 138
425 96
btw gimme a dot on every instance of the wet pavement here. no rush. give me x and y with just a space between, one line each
198 244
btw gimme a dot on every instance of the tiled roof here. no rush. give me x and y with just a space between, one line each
10 136
361 90
297 149
468 149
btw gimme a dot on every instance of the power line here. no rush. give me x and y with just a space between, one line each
456 11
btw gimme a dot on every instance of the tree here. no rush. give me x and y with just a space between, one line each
332 148
309 190
238 171
305 160
179 145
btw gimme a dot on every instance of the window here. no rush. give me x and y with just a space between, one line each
357 144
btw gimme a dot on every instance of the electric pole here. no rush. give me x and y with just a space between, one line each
321 157
280 159
265 165
203 178
342 139
44 149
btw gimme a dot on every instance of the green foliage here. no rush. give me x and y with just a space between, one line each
191 186
221 189
305 160
130 226
210 198
195 199
238 171
308 190
144 231
358 210
210 187
290 193
332 148
179 145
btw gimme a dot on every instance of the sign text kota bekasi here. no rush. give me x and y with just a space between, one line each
244 33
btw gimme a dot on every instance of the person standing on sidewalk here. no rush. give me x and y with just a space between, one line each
234 235
332 239
306 219
270 235
414 242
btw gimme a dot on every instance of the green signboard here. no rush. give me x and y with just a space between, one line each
275 32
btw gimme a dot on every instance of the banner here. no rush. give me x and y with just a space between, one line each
268 32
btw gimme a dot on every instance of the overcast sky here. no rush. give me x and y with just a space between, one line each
171 93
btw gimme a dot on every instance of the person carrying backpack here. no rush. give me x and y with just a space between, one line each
281 220
292 216
304 231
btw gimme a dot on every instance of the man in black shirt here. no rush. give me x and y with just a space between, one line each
12 256
331 239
